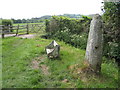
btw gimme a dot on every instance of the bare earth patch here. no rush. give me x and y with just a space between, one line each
45 69
65 81
84 73
36 65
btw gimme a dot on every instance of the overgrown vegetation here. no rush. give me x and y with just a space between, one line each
111 18
71 31
25 65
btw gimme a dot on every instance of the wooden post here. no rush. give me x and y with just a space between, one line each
11 30
17 30
3 31
27 29
8 28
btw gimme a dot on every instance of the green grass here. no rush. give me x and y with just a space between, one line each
18 72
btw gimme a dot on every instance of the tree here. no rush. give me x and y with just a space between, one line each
7 22
23 20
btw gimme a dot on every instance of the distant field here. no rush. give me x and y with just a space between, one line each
25 23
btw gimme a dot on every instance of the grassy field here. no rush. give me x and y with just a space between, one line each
25 65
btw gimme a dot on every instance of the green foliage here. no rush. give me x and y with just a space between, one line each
0 21
69 30
111 18
7 22
79 41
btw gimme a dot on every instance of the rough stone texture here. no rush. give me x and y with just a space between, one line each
52 50
94 45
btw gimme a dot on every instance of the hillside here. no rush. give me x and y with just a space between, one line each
42 18
25 65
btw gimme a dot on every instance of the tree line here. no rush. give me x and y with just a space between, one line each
43 18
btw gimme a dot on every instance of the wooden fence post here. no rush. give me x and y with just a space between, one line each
27 29
17 30
3 31
8 28
11 30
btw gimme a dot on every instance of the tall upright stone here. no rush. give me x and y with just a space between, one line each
95 44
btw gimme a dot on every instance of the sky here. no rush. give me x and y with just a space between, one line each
19 9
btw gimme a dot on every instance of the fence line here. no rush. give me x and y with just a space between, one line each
19 28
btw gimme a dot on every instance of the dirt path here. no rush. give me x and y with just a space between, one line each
8 35
27 36
22 36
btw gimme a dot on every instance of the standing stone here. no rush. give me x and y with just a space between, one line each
94 45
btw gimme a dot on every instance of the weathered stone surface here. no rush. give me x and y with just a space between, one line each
94 45
52 50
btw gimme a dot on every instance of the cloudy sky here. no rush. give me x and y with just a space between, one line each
19 9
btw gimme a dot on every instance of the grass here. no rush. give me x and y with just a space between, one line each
18 72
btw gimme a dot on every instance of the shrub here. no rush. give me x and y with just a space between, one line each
70 30
79 41
7 22
0 22
111 19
